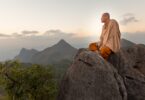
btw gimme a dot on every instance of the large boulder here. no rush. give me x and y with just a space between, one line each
90 77
130 64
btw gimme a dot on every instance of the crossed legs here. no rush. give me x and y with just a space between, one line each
104 51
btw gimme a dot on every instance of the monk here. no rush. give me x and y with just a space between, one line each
110 38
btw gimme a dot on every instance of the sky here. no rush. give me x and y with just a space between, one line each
39 24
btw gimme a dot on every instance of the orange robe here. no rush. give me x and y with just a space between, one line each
104 51
109 40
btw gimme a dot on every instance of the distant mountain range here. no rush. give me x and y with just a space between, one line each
25 55
126 43
55 54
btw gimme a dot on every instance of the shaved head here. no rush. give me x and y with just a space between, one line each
105 17
106 14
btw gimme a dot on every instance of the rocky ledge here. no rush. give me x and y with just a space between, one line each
90 77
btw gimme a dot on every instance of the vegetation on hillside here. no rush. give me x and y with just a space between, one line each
34 82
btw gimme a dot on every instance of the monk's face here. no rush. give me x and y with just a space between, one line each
104 18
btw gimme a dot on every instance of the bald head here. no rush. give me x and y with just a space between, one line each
105 17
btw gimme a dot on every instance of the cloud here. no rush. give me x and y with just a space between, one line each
25 32
16 35
128 18
53 33
4 35
58 33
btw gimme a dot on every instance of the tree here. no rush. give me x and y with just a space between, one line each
35 82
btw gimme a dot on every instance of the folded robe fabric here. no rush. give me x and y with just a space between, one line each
110 36
104 51
93 46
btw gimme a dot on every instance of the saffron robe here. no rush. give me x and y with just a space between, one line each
110 36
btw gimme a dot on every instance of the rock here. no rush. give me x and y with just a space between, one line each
130 64
90 77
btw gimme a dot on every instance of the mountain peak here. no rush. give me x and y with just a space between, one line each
126 43
26 54
23 50
62 41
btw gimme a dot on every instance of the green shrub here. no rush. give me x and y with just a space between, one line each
35 82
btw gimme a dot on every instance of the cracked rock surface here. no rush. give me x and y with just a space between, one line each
90 77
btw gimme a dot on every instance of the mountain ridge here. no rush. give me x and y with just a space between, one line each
59 51
62 50
25 55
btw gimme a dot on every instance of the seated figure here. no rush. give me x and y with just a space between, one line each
110 38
